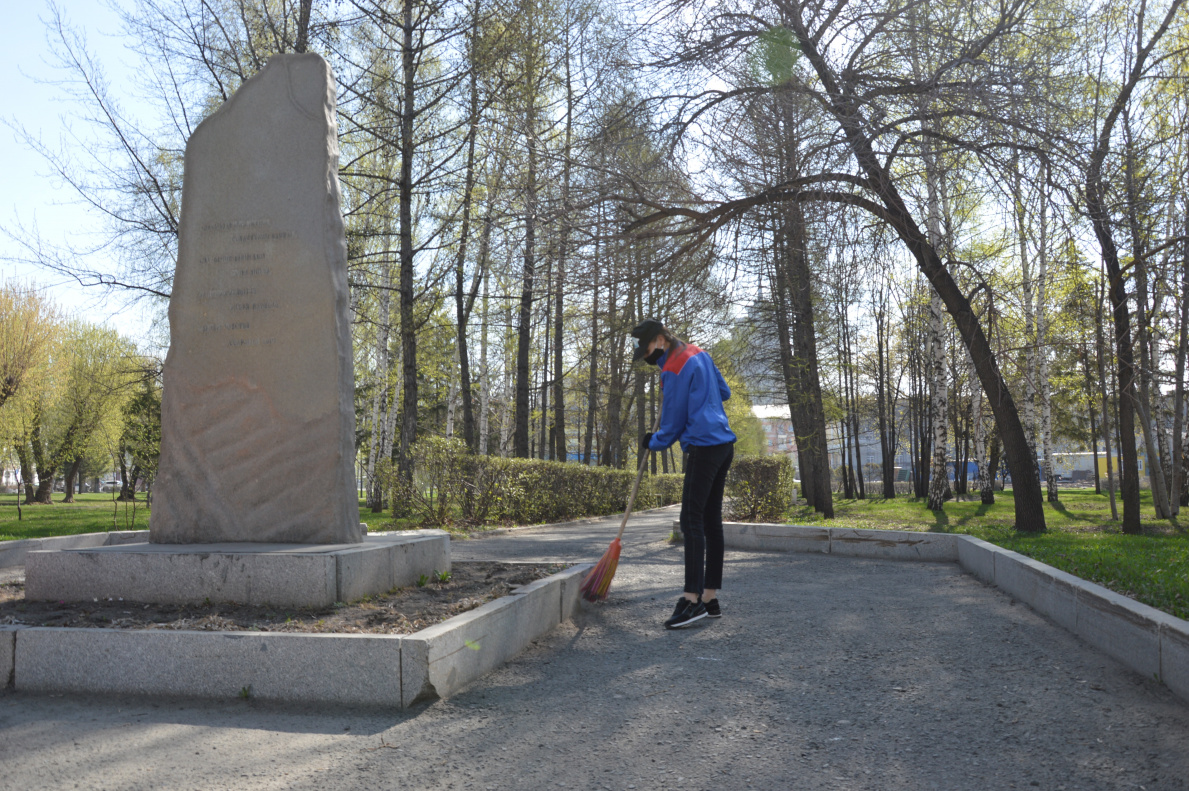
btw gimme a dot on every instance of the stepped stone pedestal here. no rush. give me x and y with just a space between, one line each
255 499
282 575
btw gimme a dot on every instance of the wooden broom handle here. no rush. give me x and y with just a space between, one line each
656 424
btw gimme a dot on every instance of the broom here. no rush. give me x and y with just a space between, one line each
598 580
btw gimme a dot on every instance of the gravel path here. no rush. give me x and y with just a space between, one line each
825 673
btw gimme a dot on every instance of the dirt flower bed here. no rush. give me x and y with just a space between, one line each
400 611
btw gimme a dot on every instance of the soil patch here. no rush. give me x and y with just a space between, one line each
400 611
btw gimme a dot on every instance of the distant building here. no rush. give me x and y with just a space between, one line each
778 429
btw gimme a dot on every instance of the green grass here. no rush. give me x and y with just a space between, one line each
1081 539
96 513
90 513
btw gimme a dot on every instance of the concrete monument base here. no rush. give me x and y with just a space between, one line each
282 575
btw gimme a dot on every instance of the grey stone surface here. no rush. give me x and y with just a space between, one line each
7 653
415 558
571 584
357 670
780 538
1174 657
258 418
850 542
1050 592
444 658
893 544
297 575
1120 627
977 557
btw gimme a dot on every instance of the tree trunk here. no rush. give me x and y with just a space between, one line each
592 385
408 329
484 385
22 451
559 392
1106 409
853 398
781 312
1093 418
1178 402
610 456
977 426
127 488
811 432
887 458
520 437
548 443
71 475
303 26
381 404
938 473
1100 219
987 493
1143 331
462 308
1042 353
1026 287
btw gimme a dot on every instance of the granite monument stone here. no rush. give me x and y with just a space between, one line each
258 419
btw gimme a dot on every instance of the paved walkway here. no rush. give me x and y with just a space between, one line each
825 673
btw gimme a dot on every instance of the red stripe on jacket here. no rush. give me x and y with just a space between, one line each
675 363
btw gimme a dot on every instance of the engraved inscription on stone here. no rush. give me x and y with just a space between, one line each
258 415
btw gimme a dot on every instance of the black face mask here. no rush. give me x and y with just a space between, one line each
654 356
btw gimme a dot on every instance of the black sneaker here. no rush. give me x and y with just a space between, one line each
712 608
685 613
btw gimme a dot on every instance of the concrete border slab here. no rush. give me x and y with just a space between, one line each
977 557
1045 589
357 670
777 538
1174 656
1120 627
893 544
571 582
8 648
448 656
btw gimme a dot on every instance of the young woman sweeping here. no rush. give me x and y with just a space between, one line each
692 413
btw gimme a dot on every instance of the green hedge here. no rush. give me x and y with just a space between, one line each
760 488
451 485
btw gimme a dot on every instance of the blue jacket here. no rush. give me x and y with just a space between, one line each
691 407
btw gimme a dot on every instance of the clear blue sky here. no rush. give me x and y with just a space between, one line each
27 190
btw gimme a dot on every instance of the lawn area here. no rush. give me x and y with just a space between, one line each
95 513
1152 568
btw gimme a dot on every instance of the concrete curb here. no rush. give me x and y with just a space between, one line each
391 671
590 520
445 657
851 542
1145 639
12 553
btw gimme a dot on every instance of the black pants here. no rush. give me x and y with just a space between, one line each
701 515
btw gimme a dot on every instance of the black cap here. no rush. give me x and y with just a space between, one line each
644 332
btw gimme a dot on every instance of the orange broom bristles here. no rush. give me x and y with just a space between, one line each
598 581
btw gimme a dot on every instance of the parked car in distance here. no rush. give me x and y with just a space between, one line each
110 486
